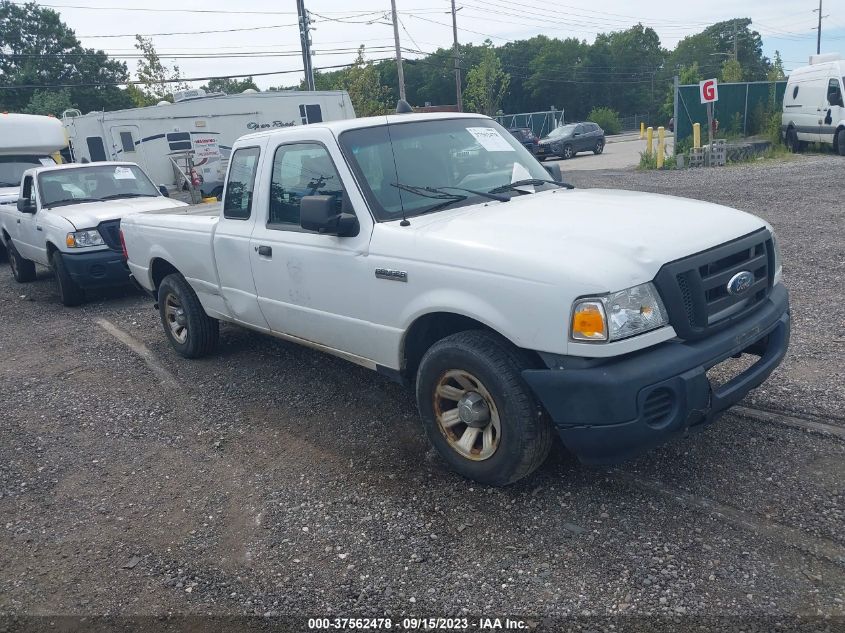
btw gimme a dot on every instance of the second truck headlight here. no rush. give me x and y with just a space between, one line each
83 239
618 315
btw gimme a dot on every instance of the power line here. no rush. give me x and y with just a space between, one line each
169 81
220 11
251 28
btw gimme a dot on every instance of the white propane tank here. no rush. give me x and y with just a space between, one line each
31 134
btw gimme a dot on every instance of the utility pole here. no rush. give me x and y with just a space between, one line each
736 50
398 51
305 39
819 33
457 51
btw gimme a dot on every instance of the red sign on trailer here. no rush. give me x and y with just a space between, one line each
709 91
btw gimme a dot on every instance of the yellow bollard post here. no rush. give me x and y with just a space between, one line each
649 141
696 135
661 144
642 130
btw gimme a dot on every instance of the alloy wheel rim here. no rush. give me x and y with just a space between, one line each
13 263
175 317
466 415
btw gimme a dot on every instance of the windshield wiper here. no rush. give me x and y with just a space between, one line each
514 186
428 192
424 191
66 201
127 195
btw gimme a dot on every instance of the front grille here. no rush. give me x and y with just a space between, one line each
110 232
695 288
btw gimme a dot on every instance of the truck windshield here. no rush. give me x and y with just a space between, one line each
13 166
93 184
460 156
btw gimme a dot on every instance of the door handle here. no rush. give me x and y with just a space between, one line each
264 251
19 220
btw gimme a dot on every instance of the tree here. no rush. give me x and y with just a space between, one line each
157 80
38 50
776 72
731 71
230 86
49 102
487 83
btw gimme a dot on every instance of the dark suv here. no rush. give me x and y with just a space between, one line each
567 140
525 135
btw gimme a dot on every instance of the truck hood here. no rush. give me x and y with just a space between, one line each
88 215
8 195
605 240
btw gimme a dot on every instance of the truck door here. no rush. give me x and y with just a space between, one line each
313 286
126 141
29 238
232 237
833 112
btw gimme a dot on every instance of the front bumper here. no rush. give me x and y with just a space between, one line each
98 269
614 409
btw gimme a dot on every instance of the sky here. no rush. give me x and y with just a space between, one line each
262 35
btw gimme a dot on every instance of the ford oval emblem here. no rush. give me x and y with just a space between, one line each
740 282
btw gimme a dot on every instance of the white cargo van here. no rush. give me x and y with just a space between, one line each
813 106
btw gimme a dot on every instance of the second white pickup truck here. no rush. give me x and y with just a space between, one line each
436 250
66 217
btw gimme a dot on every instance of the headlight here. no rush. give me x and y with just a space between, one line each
84 239
618 315
778 262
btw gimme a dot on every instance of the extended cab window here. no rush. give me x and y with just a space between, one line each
237 205
302 169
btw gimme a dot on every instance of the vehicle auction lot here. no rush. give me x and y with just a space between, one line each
272 479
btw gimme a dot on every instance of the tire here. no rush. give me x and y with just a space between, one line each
482 370
23 270
599 148
69 291
542 159
792 142
3 254
840 142
567 152
191 332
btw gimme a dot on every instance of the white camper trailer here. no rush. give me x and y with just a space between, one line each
204 125
26 141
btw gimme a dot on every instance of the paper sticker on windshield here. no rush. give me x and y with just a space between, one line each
47 162
490 139
123 173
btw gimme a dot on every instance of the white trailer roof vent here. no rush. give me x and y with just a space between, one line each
249 91
184 95
163 102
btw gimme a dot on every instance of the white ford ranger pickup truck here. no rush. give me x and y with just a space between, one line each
435 249
67 217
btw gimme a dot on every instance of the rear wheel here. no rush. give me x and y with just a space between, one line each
477 410
792 142
599 148
23 270
568 152
191 332
69 291
840 142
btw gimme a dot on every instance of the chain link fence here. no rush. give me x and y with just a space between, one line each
743 109
541 123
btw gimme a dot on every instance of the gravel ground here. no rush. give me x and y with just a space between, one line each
272 480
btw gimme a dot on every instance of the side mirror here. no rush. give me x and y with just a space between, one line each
26 205
319 213
163 191
554 171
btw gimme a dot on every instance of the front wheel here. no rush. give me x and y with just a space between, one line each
840 142
191 332
69 291
23 270
599 148
477 410
568 152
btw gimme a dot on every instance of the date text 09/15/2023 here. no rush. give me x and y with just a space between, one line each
415 623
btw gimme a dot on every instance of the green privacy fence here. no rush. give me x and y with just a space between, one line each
742 108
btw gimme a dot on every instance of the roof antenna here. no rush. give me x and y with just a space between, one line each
403 107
